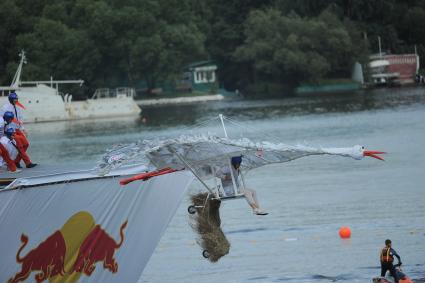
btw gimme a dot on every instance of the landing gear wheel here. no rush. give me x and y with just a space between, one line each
205 254
191 209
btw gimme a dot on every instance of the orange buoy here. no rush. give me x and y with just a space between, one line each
344 232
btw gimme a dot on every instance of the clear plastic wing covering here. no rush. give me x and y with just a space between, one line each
120 155
204 152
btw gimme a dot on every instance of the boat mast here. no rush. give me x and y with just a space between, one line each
17 78
16 82
222 123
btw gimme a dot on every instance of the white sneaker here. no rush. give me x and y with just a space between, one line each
17 171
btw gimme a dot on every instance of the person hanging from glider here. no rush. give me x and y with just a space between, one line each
231 174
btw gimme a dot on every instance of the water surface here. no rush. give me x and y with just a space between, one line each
308 199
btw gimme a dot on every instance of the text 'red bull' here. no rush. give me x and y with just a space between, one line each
98 246
48 258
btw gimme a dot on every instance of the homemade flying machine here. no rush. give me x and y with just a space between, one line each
204 154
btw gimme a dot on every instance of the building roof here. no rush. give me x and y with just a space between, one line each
200 64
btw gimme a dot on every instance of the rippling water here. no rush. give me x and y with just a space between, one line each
308 199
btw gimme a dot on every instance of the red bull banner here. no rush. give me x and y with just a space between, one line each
86 230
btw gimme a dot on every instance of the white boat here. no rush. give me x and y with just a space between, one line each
44 102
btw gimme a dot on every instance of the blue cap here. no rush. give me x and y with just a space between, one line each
237 160
8 116
9 132
13 96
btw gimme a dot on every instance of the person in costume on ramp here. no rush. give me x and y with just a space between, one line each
4 153
16 151
11 122
14 106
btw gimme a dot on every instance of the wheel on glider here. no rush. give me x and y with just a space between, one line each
191 209
205 254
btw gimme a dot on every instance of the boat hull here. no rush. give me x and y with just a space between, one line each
43 104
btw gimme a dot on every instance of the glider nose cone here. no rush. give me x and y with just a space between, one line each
374 154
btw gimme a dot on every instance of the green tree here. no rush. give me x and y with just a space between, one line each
291 49
11 25
223 24
121 42
55 50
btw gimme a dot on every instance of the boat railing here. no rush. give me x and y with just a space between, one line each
113 93
54 84
4 91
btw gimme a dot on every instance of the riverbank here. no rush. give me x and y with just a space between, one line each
329 86
179 100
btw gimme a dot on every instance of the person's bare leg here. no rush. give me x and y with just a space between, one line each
254 196
250 199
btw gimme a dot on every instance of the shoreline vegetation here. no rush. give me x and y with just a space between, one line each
261 48
178 100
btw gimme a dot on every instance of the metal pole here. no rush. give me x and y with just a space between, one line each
192 170
235 187
215 180
222 123
243 180
379 44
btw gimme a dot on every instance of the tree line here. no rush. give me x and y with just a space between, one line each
257 45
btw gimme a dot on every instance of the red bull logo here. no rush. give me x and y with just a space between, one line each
69 252
47 258
98 246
